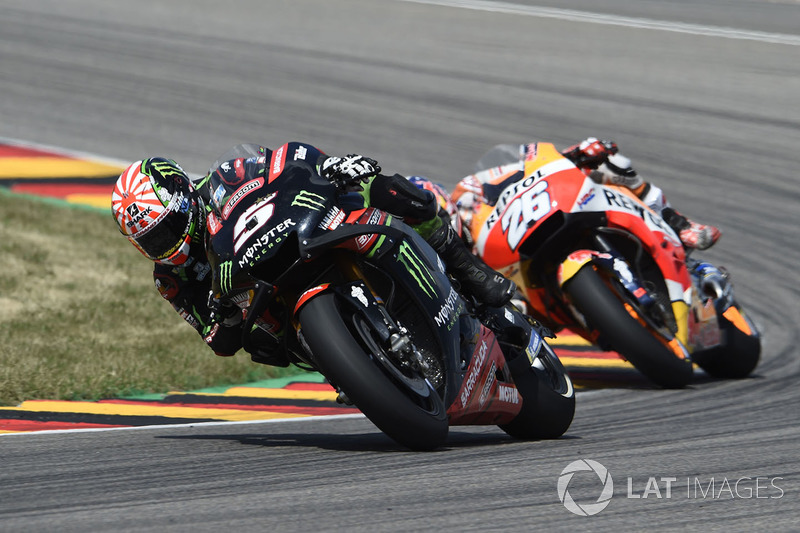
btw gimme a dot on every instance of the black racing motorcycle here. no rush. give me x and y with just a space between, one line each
358 296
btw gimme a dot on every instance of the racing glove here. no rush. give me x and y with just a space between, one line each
350 171
223 332
591 153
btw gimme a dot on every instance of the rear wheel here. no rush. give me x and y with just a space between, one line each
400 403
548 398
739 353
611 313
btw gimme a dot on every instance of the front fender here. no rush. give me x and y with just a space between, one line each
614 264
575 261
356 296
308 295
619 268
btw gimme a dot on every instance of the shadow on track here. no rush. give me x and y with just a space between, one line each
362 442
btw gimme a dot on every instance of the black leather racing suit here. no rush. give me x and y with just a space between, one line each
188 287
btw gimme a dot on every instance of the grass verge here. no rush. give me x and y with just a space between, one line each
80 318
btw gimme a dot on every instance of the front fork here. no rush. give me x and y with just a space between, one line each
653 311
386 340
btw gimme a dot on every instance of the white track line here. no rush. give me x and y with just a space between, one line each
583 393
64 151
188 425
616 20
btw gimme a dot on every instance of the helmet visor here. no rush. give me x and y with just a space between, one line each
167 236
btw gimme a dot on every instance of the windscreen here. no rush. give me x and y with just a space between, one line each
240 150
502 154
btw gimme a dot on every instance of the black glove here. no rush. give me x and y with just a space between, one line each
348 172
223 312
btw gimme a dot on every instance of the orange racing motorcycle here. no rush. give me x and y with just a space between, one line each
595 259
360 297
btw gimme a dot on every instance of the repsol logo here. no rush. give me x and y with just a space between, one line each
624 202
512 191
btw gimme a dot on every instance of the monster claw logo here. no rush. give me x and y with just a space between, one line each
225 282
416 268
310 200
165 168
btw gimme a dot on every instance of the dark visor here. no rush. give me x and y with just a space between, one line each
165 238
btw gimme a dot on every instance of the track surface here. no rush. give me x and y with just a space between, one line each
426 89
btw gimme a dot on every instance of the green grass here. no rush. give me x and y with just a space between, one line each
80 318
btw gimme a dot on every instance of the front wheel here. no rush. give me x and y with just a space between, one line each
613 315
402 405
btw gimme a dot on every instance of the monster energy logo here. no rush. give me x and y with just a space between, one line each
225 282
310 200
416 268
165 168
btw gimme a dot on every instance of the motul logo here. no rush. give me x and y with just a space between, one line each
508 394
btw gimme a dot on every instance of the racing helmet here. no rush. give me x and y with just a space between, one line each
442 198
157 209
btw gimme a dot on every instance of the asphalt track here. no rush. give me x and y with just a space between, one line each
710 115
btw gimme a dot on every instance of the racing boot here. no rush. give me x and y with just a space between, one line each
477 279
694 236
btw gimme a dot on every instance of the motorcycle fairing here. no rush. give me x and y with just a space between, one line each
704 331
709 312
291 220
626 212
260 219
557 193
523 206
487 394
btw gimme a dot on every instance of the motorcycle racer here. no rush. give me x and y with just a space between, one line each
597 159
163 213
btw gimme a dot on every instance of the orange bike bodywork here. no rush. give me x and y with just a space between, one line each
553 186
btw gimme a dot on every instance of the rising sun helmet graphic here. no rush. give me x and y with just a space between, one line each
154 205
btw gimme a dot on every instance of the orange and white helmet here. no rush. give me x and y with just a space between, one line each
442 198
156 208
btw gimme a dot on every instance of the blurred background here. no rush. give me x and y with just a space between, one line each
703 95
